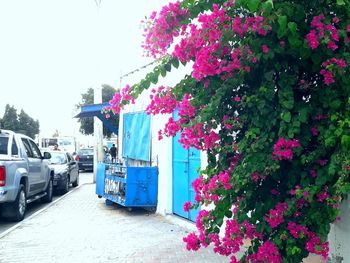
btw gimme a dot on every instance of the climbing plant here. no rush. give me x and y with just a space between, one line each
268 101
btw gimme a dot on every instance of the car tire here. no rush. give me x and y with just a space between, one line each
16 210
49 192
76 182
19 206
66 186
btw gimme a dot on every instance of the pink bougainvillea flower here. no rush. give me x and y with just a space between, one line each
283 149
187 206
265 49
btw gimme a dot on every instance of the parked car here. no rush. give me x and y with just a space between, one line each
66 170
25 175
85 158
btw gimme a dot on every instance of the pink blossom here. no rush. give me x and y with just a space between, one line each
192 242
265 49
322 196
314 131
328 76
283 149
237 99
312 39
275 217
322 162
224 179
296 230
267 252
187 206
274 192
313 173
255 177
162 101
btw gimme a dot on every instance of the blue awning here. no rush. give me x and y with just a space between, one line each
95 110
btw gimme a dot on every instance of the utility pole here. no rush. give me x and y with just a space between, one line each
98 126
98 132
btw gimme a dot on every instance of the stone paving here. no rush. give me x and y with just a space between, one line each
81 228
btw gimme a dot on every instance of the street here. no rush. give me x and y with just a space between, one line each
84 178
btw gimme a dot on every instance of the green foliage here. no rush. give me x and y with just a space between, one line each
22 123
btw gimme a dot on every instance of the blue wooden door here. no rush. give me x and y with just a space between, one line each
185 169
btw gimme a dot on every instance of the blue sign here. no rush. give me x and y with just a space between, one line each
136 136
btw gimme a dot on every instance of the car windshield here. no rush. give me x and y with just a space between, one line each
86 152
58 158
3 143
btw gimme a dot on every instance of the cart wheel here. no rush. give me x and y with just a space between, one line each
129 209
99 196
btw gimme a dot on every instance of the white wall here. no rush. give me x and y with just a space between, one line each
339 237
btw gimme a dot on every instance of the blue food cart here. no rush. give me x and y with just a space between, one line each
127 185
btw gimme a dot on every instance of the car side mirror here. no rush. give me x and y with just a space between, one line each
47 155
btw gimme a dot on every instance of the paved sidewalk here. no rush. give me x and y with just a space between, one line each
81 228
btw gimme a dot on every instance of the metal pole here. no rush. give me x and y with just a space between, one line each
98 126
98 132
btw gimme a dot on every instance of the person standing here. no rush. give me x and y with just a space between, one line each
113 152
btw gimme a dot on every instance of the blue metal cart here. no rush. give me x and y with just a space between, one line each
127 185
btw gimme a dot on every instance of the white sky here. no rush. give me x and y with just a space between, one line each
52 51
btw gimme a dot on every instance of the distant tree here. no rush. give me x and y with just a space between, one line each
87 124
10 118
28 125
22 123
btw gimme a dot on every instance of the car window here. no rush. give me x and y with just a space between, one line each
86 152
3 144
14 148
35 149
27 147
58 158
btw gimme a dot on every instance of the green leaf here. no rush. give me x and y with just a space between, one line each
345 141
167 67
163 71
154 78
175 63
286 116
340 2
292 27
303 115
287 104
282 30
253 5
267 6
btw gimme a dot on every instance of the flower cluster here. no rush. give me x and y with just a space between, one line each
275 217
162 29
323 32
283 149
313 243
330 66
201 43
267 252
162 101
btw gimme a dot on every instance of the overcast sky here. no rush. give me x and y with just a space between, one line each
52 51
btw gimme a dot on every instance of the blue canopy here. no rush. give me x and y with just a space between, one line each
95 110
